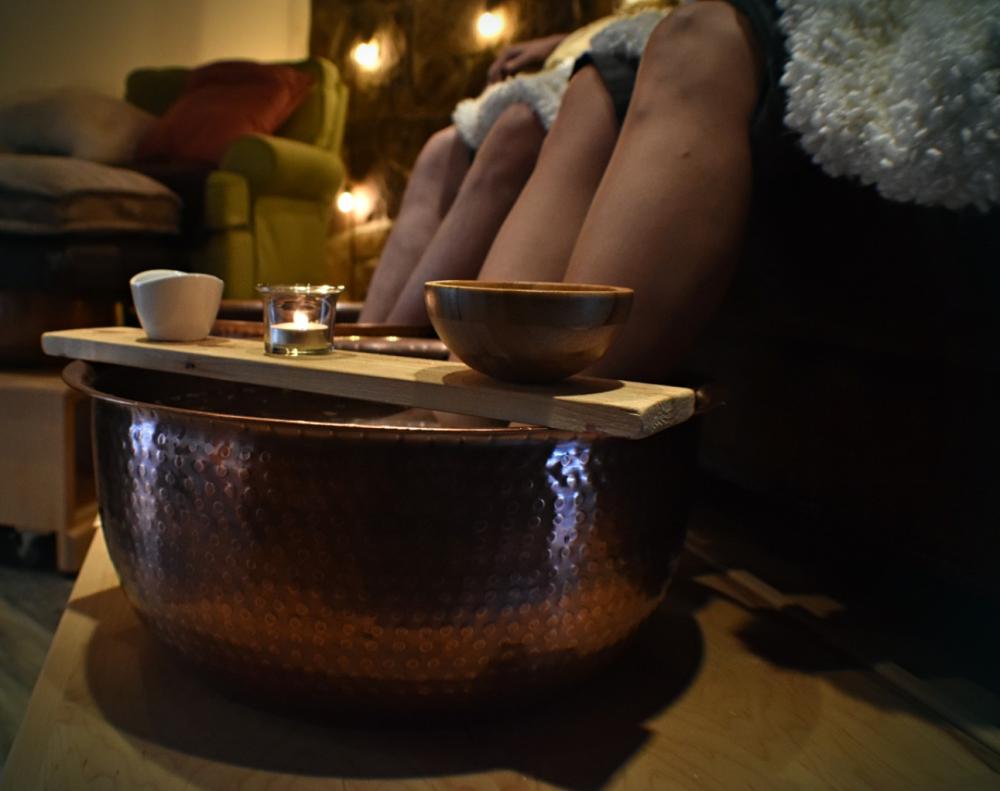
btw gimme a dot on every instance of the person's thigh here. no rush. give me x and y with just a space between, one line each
489 189
537 237
508 153
437 175
669 215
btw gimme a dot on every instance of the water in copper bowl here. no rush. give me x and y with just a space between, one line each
327 553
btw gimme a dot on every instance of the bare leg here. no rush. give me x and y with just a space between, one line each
669 215
537 238
495 179
436 177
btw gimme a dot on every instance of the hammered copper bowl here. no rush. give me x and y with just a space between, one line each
300 553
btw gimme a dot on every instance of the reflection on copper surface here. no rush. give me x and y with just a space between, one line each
141 432
569 483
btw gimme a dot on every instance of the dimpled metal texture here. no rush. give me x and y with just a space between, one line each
317 562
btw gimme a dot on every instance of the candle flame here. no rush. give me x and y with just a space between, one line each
300 319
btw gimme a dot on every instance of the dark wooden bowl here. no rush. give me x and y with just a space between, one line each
527 332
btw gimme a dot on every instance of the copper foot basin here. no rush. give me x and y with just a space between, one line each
328 553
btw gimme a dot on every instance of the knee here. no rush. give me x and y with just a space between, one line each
701 48
708 27
511 148
517 135
440 147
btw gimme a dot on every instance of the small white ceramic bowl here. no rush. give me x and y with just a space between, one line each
174 305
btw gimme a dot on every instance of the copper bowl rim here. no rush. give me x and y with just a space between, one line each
77 373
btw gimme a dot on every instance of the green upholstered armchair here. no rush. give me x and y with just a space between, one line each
266 207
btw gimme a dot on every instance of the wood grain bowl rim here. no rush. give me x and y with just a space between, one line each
531 287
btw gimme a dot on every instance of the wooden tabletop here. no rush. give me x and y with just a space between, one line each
717 694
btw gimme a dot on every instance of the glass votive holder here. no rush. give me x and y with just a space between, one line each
299 319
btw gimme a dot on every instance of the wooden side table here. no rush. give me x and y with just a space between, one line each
44 487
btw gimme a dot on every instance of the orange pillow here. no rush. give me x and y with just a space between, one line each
221 102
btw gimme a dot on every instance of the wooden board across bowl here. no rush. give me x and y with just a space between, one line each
621 409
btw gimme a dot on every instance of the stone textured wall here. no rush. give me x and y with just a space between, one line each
436 60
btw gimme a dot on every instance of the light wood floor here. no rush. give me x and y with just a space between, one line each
31 603
932 636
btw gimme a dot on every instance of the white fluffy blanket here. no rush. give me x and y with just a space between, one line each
543 91
902 94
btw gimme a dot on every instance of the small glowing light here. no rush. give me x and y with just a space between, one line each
301 320
358 202
364 202
345 202
490 25
368 55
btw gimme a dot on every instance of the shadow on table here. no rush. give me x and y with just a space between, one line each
576 739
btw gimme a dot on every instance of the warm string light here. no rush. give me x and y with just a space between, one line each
368 55
358 202
363 202
490 25
345 202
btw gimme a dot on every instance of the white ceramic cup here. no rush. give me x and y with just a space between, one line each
174 305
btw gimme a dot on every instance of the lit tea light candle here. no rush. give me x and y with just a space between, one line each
312 313
301 334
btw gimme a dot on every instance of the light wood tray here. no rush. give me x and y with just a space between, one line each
622 409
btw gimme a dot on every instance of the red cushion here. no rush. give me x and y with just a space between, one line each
221 102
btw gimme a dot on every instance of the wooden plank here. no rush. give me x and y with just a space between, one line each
623 409
699 704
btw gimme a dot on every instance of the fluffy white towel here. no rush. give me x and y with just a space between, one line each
542 91
902 94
